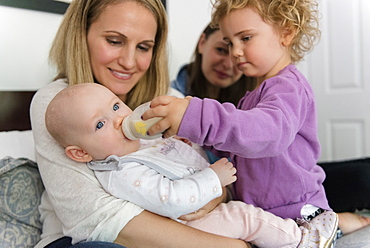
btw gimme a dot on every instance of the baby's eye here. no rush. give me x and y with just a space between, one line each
115 107
99 125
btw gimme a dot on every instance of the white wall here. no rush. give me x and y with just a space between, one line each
25 41
187 19
26 36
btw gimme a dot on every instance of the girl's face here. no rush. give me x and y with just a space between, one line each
216 62
256 47
121 45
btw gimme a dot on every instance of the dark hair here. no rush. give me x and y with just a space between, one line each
197 83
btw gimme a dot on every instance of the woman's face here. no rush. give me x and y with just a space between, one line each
216 65
121 45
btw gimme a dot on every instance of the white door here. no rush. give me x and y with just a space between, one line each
339 72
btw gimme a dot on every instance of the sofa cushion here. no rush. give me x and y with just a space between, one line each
20 195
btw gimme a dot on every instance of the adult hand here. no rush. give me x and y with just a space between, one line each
186 141
172 109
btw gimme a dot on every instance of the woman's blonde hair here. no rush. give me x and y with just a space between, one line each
300 16
70 54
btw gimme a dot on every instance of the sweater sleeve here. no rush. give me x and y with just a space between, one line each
156 193
266 124
84 209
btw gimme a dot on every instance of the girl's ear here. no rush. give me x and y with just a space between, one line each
201 42
77 154
287 36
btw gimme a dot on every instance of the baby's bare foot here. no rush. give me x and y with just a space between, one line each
350 222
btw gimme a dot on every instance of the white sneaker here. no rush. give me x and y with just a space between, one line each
320 231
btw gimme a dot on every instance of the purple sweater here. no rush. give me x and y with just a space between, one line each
272 140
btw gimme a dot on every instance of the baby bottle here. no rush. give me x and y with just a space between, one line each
135 128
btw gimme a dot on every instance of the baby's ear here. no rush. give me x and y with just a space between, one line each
77 154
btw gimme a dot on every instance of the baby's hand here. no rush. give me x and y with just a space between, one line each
225 171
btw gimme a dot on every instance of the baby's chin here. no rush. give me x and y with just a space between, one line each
135 145
128 148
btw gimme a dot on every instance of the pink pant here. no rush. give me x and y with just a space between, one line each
242 221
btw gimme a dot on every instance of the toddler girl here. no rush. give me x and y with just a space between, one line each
272 134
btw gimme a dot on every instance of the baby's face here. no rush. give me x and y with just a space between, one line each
98 116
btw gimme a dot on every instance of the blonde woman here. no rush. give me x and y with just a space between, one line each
120 44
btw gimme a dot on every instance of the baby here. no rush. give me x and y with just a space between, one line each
164 176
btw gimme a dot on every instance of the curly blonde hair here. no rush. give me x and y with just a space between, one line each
302 16
70 54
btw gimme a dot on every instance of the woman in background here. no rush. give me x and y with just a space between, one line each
211 73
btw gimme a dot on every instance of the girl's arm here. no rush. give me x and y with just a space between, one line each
148 230
265 126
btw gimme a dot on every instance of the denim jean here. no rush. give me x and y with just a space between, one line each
66 242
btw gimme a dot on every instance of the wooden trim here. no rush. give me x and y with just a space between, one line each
14 110
40 5
164 3
43 5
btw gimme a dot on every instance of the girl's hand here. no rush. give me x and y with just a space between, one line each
172 109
